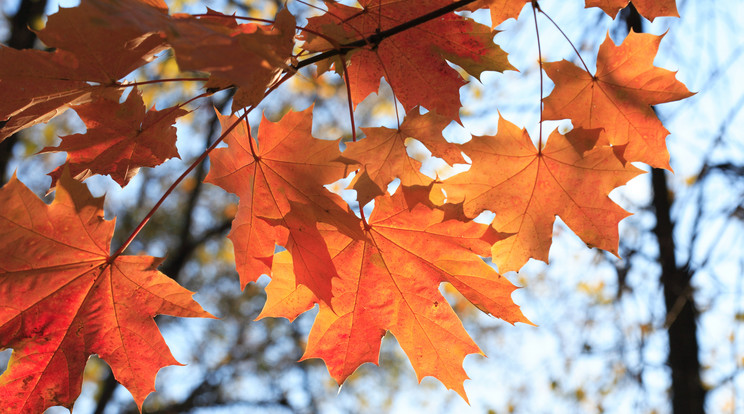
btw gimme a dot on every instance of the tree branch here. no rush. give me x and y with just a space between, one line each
378 37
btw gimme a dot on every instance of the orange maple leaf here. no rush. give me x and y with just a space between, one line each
286 165
120 139
284 297
390 280
414 62
97 43
618 97
501 10
649 9
527 189
248 56
63 300
383 154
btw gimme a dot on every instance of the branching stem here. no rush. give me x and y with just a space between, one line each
373 39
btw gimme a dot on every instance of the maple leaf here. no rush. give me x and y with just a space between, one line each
106 37
37 86
288 165
284 297
413 61
501 10
383 154
248 56
120 139
527 189
390 281
618 97
63 300
97 43
649 9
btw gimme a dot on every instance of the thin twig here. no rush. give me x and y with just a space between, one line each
201 158
170 189
126 85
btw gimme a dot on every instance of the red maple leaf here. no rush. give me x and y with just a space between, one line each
414 62
248 56
37 86
107 38
285 165
120 139
63 299
97 43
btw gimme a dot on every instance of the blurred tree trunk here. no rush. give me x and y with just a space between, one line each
688 393
21 37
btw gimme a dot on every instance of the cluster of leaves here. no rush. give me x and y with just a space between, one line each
66 296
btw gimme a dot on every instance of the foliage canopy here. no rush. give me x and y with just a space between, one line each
66 295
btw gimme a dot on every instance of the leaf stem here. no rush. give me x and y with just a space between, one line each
395 97
250 138
567 39
148 82
227 16
535 8
193 165
312 6
351 104
167 111
319 34
364 219
193 99
171 188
